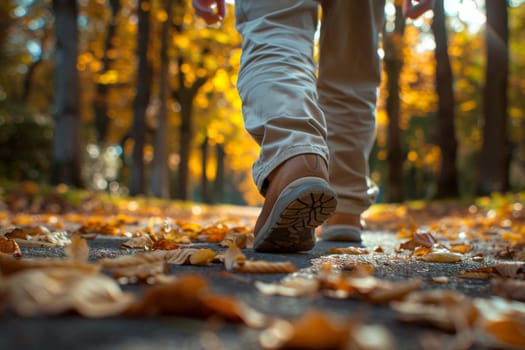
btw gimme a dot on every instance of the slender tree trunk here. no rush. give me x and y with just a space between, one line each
100 104
137 182
66 144
496 149
218 184
205 184
446 137
185 96
393 63
186 135
159 171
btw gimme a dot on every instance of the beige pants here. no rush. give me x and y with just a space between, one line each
289 109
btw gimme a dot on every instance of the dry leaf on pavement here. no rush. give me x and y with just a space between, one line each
9 246
313 330
54 291
448 310
78 250
290 287
139 242
419 239
235 260
501 324
348 250
190 296
441 256
9 265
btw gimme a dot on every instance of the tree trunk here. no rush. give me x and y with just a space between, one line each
496 150
393 63
446 134
186 135
159 172
205 184
66 139
100 104
137 184
185 96
218 184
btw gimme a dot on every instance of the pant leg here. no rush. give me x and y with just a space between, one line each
277 81
349 75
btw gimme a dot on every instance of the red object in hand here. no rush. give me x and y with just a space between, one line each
415 8
212 11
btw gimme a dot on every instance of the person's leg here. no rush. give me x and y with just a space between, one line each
277 85
349 75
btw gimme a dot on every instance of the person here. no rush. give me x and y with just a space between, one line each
315 128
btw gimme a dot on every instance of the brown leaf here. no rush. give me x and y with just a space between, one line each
181 297
202 257
233 310
446 309
313 330
425 239
292 287
139 242
27 232
507 288
78 250
348 250
501 323
55 291
176 257
261 266
442 256
165 244
240 239
9 265
139 273
233 258
9 246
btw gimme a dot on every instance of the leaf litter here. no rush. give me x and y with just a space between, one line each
92 288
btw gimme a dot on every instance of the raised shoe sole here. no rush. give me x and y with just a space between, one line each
302 206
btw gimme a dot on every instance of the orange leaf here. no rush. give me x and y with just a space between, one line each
313 330
9 246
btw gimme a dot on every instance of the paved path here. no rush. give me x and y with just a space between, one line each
73 332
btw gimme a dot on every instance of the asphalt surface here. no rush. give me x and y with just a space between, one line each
75 332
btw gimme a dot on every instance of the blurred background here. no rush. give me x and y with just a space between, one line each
138 97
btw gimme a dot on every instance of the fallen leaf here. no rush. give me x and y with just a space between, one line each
501 323
423 239
292 287
202 257
78 250
508 288
261 266
233 258
181 298
139 242
9 246
242 240
233 310
10 265
446 309
166 244
54 291
442 256
440 280
175 257
313 330
348 250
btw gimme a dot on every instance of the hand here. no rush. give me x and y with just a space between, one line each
415 8
206 10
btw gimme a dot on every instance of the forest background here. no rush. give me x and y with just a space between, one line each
138 97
